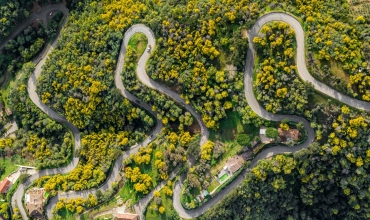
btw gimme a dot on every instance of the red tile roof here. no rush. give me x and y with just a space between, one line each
127 216
4 185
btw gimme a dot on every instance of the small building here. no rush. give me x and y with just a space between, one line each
4 185
263 136
234 164
122 215
34 201
291 134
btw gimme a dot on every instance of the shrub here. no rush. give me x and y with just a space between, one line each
272 133
243 140
161 209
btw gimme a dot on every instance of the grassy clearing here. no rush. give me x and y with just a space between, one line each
150 168
9 167
214 184
152 209
222 60
231 149
128 191
104 217
336 70
6 88
66 214
230 127
111 204
138 42
319 97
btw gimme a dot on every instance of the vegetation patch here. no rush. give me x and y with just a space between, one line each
161 207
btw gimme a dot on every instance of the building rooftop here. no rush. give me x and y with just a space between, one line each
127 216
263 131
122 215
263 136
291 134
4 185
234 163
34 199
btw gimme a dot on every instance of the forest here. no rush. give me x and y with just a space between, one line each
169 112
26 46
195 43
328 180
277 84
14 12
200 54
40 140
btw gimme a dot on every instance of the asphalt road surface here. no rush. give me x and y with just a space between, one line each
42 14
144 78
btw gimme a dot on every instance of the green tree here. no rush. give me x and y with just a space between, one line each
272 132
243 140
23 177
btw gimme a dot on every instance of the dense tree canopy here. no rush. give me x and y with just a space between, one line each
325 181
40 138
277 82
200 53
194 39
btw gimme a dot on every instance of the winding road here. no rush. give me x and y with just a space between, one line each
42 14
18 195
253 103
143 77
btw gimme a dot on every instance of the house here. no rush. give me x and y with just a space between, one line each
122 215
34 200
234 164
4 185
263 136
291 134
